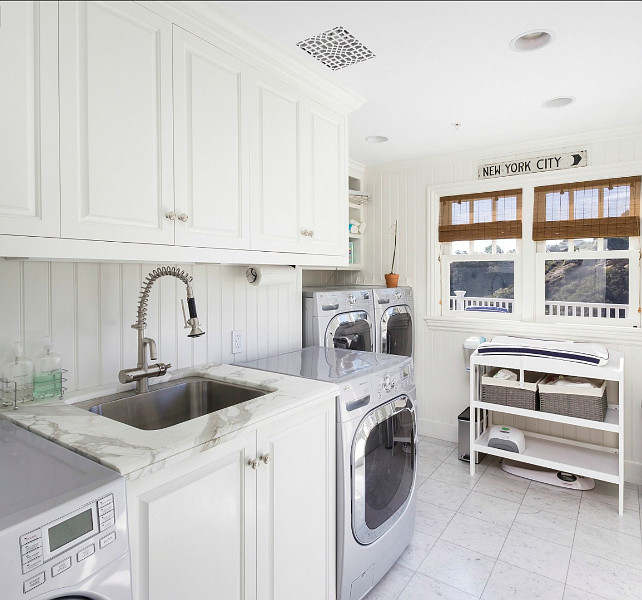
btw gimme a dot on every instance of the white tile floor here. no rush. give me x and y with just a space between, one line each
497 536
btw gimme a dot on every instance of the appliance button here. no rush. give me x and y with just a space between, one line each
61 567
34 582
32 564
107 524
105 510
106 500
108 539
30 537
86 552
35 553
106 517
31 546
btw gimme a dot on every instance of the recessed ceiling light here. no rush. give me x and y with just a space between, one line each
376 139
532 40
558 102
456 125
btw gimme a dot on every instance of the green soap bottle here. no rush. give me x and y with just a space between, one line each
47 376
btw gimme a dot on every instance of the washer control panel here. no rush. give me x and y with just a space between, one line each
72 546
341 301
399 379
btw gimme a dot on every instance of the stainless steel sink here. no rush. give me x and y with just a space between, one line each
170 403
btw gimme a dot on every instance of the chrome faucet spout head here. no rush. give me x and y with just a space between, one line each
196 330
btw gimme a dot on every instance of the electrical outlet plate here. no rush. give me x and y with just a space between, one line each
238 341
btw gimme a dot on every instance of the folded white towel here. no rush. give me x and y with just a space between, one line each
506 375
576 382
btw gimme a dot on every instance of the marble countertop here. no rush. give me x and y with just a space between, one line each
136 452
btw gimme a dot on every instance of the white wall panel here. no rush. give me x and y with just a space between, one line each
88 309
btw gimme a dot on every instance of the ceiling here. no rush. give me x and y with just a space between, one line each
437 63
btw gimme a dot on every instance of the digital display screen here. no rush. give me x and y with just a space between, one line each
69 530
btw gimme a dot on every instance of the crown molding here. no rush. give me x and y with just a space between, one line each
216 25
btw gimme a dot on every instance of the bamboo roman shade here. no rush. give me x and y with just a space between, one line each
591 209
487 216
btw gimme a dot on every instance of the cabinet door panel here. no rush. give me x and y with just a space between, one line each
115 123
276 197
29 184
211 144
325 197
197 532
296 507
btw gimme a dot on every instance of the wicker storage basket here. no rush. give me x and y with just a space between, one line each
511 393
583 403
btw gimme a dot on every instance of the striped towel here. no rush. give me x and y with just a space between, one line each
590 354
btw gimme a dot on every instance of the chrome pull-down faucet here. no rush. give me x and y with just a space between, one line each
143 370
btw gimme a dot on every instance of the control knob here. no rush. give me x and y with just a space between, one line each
398 295
388 383
352 299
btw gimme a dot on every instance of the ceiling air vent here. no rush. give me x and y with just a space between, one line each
336 48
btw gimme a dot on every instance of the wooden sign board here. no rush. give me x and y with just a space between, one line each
548 162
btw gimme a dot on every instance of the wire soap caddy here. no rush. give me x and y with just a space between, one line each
50 385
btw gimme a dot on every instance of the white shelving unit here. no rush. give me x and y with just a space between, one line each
357 211
604 463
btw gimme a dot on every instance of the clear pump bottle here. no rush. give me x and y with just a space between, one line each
47 377
17 375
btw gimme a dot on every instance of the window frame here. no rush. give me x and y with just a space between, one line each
447 259
525 278
633 254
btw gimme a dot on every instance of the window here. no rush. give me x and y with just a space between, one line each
587 238
479 236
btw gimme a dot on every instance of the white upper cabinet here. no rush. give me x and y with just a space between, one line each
324 205
29 188
212 105
299 193
115 123
276 210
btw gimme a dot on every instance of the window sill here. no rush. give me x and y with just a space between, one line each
581 332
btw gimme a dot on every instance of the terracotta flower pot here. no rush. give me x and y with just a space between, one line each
392 279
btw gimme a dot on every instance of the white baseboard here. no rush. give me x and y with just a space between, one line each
436 429
449 433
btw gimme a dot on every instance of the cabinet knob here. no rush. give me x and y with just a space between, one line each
254 463
170 215
311 233
304 232
183 217
265 458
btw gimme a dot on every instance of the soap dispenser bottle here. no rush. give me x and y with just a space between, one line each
47 377
17 377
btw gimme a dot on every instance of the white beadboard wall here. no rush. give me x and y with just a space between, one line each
88 309
399 191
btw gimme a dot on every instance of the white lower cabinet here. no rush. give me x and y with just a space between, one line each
215 526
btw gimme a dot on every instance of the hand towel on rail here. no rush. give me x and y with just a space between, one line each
590 354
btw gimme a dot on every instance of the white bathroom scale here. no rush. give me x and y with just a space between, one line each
550 476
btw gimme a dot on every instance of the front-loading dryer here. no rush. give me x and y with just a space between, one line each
63 523
340 318
393 309
376 456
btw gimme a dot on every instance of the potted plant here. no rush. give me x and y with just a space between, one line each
392 278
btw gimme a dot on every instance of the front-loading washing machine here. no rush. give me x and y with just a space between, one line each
376 456
339 318
63 523
393 320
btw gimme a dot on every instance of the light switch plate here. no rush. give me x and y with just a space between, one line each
238 341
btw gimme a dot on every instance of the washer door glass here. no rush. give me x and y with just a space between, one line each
396 331
383 468
350 331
